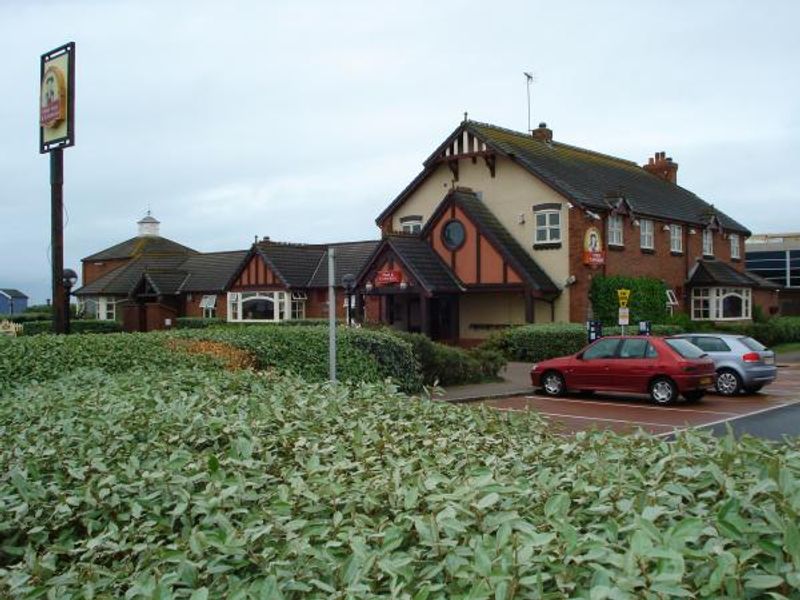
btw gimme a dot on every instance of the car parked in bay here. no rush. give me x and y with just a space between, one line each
742 363
662 367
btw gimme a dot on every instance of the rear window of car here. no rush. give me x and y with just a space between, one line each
685 348
711 344
754 345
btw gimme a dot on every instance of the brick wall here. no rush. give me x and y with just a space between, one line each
93 270
191 306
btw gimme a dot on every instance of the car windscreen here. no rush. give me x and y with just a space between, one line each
685 348
754 345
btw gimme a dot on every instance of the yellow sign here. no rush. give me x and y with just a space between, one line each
53 101
623 295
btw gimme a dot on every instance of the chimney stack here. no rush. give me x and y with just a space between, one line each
662 166
542 133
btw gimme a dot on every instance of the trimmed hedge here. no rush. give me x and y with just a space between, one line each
27 317
362 355
534 343
196 322
447 365
76 326
647 302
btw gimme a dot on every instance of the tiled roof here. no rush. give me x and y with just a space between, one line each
145 244
12 293
211 272
424 263
715 272
166 283
122 281
516 255
585 177
762 282
349 259
295 264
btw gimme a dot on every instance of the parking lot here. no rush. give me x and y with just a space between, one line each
627 413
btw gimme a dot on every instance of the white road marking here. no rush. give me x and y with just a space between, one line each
634 406
626 421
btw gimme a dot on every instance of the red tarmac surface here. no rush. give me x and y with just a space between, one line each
627 413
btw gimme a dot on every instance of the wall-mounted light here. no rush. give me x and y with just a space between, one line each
570 205
636 222
570 280
692 231
665 228
368 286
403 285
592 215
521 219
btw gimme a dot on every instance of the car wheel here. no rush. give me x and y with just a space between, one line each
694 396
753 389
728 382
663 391
553 383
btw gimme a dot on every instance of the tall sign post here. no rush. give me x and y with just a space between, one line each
56 132
624 317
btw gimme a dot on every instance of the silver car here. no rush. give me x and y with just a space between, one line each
742 363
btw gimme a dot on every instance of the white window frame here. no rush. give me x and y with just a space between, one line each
616 232
676 238
547 227
106 308
299 305
735 247
672 301
715 298
708 242
647 237
208 304
412 226
280 299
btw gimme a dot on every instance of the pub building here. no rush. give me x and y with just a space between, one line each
499 228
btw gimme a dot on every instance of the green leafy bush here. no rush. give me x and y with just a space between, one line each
448 365
27 317
76 326
362 355
196 322
218 485
647 301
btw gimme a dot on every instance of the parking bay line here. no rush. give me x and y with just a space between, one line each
626 421
633 406
736 418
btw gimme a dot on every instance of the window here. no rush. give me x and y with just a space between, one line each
672 301
685 348
208 304
711 344
708 242
258 306
718 304
646 234
735 251
675 238
548 226
602 349
106 309
299 305
453 235
411 224
615 236
633 348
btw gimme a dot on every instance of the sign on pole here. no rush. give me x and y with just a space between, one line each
623 296
624 316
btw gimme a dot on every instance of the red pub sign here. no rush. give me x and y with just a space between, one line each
387 277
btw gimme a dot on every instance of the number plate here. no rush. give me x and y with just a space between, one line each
769 360
706 381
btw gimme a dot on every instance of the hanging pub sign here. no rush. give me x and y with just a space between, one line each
593 248
388 277
57 99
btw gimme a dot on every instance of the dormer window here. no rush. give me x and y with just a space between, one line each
735 251
708 242
411 224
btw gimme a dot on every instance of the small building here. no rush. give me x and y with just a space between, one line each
503 227
12 302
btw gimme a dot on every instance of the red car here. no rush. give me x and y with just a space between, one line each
661 367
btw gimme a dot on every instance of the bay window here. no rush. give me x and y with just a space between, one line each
257 307
720 304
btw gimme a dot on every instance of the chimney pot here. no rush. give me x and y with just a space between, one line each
663 167
542 133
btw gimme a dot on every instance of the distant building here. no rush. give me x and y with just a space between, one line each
12 302
776 257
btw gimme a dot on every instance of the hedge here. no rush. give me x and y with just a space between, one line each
76 326
447 365
647 300
27 317
362 355
203 485
196 322
534 343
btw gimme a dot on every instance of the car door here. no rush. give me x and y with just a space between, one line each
635 365
591 370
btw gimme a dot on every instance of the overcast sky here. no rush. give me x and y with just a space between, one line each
303 120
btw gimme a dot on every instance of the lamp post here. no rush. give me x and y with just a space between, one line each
68 279
349 281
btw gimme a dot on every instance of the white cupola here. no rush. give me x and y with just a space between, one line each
148 225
